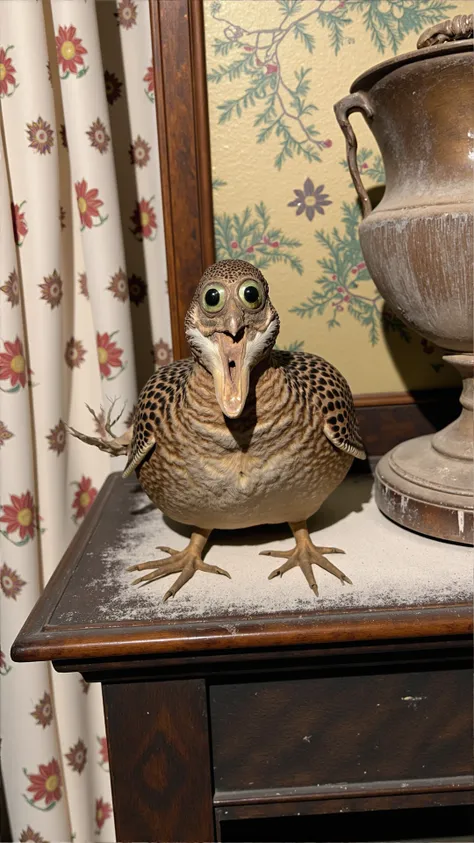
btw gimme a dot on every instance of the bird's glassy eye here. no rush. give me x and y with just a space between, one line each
213 298
251 294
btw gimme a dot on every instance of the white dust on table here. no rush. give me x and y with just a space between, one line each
387 565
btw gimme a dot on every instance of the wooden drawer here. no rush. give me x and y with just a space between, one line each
355 727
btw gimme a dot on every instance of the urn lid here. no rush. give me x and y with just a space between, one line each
374 74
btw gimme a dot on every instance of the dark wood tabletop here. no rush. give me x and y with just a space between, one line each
89 609
248 709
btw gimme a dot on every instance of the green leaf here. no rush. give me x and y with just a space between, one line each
300 33
290 7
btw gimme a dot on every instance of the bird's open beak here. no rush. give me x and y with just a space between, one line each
231 378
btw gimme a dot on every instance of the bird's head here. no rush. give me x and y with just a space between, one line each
231 325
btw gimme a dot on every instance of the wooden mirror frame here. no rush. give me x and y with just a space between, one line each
179 59
177 33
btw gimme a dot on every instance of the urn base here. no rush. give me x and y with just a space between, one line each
427 484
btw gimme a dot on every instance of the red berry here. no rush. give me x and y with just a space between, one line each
340 289
333 277
346 298
272 68
275 244
234 244
328 142
266 239
248 48
361 265
250 249
365 166
354 270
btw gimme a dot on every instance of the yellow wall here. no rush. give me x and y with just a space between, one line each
259 52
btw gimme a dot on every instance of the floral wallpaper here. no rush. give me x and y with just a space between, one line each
283 197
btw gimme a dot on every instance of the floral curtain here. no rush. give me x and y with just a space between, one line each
83 316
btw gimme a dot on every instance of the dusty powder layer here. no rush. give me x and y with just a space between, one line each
387 565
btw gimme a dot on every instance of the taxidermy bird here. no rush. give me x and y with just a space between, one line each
239 434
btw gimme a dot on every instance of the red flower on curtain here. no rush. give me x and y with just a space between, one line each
43 711
11 288
139 152
13 365
30 836
103 751
75 353
83 288
77 756
144 220
149 78
7 73
45 784
98 136
137 289
162 353
20 228
103 812
126 14
10 583
20 516
119 285
4 434
113 87
40 136
109 355
88 203
84 497
52 289
57 438
70 50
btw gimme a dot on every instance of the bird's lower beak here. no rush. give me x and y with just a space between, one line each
231 378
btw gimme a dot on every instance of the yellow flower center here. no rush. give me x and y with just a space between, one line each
3 72
18 364
52 783
82 204
103 354
144 219
99 814
68 50
310 201
84 499
25 517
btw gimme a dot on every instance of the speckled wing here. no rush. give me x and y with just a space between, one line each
319 381
161 393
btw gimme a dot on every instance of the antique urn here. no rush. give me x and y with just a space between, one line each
418 246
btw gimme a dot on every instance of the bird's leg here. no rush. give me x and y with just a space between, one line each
186 561
305 555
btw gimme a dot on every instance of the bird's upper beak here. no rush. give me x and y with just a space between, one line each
232 376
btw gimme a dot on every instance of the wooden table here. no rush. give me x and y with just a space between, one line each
247 709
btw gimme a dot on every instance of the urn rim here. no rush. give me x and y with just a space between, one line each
374 74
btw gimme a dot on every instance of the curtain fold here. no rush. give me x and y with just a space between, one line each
83 315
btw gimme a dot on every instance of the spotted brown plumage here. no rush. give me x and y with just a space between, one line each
240 433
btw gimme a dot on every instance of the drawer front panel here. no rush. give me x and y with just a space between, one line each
316 730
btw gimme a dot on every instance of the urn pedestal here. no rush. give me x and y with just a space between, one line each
418 245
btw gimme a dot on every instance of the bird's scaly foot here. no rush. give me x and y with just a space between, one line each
186 561
305 555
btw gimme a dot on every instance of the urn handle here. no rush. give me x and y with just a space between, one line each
358 101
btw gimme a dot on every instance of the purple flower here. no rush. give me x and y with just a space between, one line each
310 200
